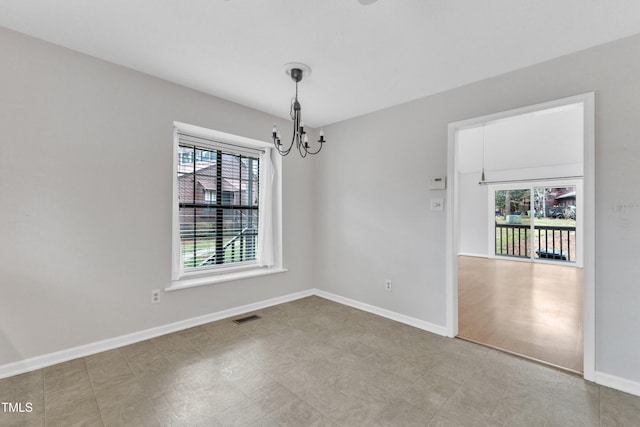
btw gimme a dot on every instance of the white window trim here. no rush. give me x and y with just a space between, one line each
233 272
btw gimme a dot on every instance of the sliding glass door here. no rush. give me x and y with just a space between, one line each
512 222
536 223
555 223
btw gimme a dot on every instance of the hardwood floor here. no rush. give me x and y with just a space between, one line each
530 309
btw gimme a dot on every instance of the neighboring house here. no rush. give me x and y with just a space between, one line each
205 199
558 199
197 181
201 187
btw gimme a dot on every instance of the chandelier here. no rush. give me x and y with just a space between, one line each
297 71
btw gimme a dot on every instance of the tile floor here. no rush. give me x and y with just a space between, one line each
310 362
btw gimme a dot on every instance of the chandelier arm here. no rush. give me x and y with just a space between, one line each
303 150
283 152
278 146
317 151
289 148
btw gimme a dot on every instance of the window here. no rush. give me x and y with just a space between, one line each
222 224
210 197
212 231
185 158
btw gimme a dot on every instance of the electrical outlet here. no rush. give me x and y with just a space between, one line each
387 285
155 296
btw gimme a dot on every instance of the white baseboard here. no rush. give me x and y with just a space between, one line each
473 255
622 384
49 359
412 321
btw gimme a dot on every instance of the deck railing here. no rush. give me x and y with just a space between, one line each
246 233
550 242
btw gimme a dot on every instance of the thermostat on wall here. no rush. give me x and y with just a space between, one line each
437 183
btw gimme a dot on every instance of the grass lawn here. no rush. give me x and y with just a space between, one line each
206 247
541 221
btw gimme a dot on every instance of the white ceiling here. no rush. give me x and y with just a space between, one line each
364 58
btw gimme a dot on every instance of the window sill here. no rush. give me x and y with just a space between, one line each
226 277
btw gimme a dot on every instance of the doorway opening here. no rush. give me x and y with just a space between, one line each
521 232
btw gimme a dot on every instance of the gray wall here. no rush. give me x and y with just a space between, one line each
375 222
85 184
85 190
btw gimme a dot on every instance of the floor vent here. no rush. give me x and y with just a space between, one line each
246 319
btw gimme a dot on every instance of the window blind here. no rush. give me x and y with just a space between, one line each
218 199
